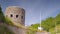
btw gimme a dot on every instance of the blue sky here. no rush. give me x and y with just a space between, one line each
36 10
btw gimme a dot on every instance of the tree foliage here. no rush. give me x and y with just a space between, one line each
48 23
3 21
51 22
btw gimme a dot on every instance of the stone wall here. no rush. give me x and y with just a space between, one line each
17 30
17 15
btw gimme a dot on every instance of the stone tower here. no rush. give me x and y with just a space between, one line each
17 15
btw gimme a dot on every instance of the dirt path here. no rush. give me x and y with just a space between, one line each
42 33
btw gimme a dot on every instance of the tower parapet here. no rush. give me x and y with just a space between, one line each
16 14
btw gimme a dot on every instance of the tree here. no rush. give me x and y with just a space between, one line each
2 18
49 24
57 18
3 28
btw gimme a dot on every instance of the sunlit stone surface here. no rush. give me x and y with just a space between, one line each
17 16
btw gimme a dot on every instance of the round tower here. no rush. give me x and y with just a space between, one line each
16 14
